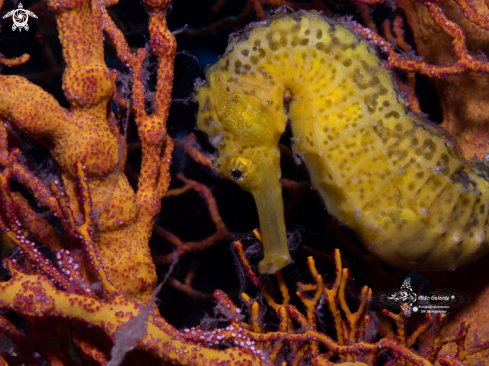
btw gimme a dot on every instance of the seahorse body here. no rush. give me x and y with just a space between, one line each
395 179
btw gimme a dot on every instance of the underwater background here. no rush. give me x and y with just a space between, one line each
311 231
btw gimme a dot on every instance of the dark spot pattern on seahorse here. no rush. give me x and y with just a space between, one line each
392 178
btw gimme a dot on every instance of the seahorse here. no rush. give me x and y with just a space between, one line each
399 181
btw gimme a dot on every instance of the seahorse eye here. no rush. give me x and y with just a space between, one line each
236 174
241 170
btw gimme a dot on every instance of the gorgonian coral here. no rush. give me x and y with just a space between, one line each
84 280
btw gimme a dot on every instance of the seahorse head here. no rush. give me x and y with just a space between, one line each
246 131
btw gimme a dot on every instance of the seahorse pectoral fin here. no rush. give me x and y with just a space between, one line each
268 199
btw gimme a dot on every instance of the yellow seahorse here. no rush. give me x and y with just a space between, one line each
398 181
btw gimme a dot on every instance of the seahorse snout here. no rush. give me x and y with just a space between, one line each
268 200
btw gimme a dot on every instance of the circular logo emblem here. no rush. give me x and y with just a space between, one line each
20 16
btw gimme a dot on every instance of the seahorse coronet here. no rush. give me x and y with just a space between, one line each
399 181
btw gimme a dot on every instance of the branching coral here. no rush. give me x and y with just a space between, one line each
86 134
297 338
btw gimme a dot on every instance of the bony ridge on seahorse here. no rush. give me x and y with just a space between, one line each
400 182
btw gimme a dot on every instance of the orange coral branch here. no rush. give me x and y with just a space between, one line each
101 213
239 333
35 296
182 247
201 158
400 41
7 328
81 341
186 286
